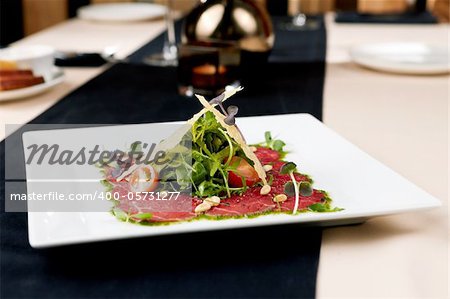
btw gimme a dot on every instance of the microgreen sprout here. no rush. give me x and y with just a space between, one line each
305 188
230 118
274 144
219 101
289 168
229 113
289 189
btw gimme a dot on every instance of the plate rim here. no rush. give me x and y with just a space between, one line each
27 92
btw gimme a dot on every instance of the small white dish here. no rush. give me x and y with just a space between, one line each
38 58
355 181
55 77
121 12
403 58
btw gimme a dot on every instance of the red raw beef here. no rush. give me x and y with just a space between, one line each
164 215
249 203
267 155
252 202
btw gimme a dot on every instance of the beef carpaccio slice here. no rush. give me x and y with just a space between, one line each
249 203
252 202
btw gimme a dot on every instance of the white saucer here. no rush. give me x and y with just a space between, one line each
15 94
121 12
404 58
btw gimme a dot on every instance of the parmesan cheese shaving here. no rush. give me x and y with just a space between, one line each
235 134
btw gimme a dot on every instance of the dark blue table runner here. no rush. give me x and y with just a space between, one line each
278 261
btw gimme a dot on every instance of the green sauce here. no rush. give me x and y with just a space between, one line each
326 204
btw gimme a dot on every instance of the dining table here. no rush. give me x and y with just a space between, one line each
399 119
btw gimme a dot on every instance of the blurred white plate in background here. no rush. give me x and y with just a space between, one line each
56 77
404 58
121 12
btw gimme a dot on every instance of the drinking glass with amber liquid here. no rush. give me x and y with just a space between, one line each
207 69
220 41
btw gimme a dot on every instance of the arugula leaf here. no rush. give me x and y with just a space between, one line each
120 214
214 167
211 151
183 176
317 207
197 156
199 172
142 216
322 208
208 188
107 185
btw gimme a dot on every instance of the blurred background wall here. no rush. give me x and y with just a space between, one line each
23 17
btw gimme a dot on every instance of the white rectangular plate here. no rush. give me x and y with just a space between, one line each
355 181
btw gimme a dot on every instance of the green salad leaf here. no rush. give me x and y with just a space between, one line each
211 150
108 186
323 207
275 144
120 214
143 216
